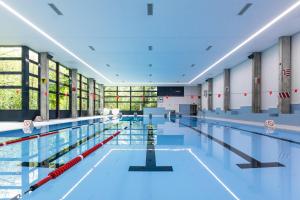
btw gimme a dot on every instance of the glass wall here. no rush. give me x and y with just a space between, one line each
34 83
52 85
131 99
10 78
84 93
78 92
64 88
97 98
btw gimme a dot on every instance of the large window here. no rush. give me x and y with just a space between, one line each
10 78
133 98
97 98
64 88
78 92
84 93
52 85
33 80
110 97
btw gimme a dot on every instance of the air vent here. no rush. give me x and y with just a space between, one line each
150 48
117 75
193 65
92 48
208 48
150 9
183 75
150 65
245 9
150 75
107 65
55 9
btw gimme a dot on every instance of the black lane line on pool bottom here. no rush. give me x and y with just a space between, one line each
47 162
256 133
150 158
253 163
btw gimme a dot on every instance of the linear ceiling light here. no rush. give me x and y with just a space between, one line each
150 9
208 48
35 27
260 31
55 9
92 48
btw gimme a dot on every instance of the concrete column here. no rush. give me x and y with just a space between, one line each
44 85
101 97
285 70
226 105
256 82
91 96
200 97
74 93
210 94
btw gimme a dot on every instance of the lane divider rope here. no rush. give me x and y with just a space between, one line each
9 142
57 172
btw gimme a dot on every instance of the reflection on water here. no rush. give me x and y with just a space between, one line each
47 153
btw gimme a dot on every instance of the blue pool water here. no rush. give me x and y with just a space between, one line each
154 159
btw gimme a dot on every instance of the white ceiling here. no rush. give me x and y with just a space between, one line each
121 32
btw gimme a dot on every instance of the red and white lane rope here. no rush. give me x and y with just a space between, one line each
9 142
57 172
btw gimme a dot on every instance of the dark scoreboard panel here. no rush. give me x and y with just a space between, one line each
170 91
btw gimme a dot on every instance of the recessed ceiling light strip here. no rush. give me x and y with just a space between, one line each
55 9
264 28
28 22
245 9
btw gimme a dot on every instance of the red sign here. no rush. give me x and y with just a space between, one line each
284 95
219 95
287 72
270 93
296 90
245 94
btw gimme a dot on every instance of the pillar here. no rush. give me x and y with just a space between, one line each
74 93
44 85
226 102
91 97
285 81
200 97
210 94
25 83
256 82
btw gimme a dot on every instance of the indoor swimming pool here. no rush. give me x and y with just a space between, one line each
151 159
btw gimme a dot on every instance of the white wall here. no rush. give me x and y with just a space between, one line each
269 79
296 68
218 88
191 94
241 80
204 98
240 83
